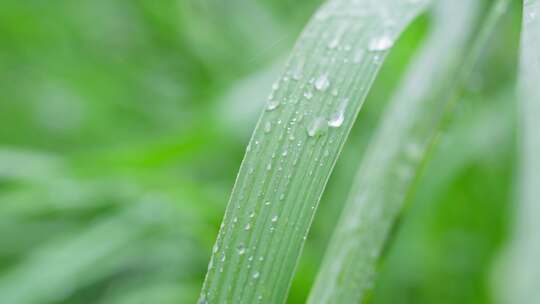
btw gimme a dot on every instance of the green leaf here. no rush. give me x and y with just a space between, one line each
393 160
521 272
295 145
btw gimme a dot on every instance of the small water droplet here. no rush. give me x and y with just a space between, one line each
334 43
252 214
317 127
322 83
269 167
241 249
202 301
284 153
275 218
247 227
338 117
298 70
308 94
256 275
381 43
267 127
273 104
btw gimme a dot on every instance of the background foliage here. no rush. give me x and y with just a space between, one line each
123 124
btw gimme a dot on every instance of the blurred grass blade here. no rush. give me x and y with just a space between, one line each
521 275
51 272
295 145
393 160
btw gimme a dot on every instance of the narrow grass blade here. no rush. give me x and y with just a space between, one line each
393 160
295 145
521 275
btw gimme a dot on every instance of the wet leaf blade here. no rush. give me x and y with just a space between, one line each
393 160
295 145
520 272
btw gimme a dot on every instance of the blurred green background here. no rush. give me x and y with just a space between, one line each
123 124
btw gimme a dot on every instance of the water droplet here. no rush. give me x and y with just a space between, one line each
298 70
252 214
275 218
273 104
202 301
530 16
381 43
308 94
215 249
247 227
241 249
284 153
317 127
256 275
267 127
334 43
322 83
269 167
338 117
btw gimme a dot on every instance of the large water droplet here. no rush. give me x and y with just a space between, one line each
317 127
381 43
322 83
